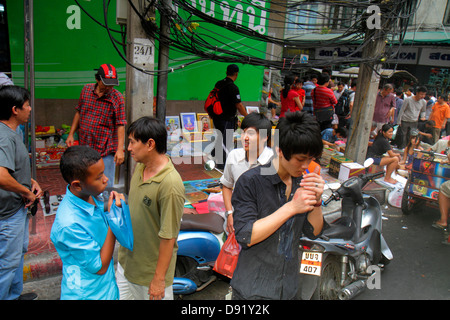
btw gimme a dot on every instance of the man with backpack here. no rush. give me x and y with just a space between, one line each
342 108
224 118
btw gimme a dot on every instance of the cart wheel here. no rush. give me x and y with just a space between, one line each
410 203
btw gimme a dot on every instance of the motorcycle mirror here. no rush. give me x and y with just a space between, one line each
368 162
210 165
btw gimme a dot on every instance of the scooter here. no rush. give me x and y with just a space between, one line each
199 244
339 263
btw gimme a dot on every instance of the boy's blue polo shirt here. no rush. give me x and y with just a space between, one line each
78 233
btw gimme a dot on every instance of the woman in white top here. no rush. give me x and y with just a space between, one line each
255 137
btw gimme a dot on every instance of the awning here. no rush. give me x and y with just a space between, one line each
386 73
410 37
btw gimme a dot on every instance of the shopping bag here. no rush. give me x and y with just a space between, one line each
119 221
395 196
228 257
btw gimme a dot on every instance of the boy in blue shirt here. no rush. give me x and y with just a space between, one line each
80 232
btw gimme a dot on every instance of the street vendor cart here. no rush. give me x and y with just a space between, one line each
429 171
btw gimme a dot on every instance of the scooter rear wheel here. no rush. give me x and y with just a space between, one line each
329 283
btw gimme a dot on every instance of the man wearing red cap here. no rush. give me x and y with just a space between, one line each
100 119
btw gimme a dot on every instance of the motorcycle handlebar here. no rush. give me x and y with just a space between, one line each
364 177
371 176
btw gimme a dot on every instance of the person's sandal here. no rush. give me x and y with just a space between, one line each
438 226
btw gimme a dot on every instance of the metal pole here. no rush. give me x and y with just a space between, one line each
163 64
29 84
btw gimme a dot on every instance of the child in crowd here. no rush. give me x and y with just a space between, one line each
80 232
413 143
331 135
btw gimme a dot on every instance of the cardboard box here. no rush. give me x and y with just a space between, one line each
335 165
349 170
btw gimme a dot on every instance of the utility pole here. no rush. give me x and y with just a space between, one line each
139 86
365 97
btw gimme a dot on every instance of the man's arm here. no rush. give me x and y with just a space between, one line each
302 202
107 250
73 128
227 193
423 112
240 107
119 157
157 285
333 99
402 110
8 183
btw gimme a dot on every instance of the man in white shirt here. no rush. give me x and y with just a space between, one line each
255 137
412 108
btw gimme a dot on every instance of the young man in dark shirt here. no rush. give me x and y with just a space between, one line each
273 206
230 100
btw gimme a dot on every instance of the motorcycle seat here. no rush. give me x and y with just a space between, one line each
342 228
206 221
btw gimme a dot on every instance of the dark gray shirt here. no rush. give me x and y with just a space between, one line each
269 269
14 157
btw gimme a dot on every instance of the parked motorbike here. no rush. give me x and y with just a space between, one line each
338 264
199 244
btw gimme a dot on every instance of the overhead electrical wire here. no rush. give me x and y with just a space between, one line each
342 22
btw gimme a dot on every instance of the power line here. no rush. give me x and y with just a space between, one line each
189 32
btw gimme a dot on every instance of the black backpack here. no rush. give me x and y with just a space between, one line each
342 107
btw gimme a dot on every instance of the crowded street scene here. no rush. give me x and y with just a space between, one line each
208 153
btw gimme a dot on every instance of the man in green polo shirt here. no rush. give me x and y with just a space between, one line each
156 201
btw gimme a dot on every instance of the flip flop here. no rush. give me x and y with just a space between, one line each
438 226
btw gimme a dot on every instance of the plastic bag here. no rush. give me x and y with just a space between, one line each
228 257
120 223
395 196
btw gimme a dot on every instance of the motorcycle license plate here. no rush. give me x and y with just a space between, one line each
311 263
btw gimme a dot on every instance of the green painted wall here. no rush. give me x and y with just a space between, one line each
69 45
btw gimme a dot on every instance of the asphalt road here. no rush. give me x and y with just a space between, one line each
419 270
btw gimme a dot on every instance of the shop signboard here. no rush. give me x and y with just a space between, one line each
435 57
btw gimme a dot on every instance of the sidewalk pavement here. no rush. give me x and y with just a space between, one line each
43 261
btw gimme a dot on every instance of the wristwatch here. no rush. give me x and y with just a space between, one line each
228 213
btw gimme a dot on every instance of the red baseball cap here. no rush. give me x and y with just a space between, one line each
108 75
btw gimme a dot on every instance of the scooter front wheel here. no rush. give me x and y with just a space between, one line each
329 283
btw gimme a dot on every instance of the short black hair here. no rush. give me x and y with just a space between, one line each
342 131
75 162
258 121
12 96
421 89
323 78
232 69
299 133
146 128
